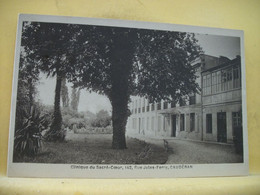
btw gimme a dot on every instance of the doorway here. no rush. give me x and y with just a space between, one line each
222 127
173 133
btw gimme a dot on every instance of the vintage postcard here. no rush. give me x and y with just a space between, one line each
103 98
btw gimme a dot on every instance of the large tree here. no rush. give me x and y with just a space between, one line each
121 62
52 48
26 91
116 62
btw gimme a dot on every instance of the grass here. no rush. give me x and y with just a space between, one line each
96 149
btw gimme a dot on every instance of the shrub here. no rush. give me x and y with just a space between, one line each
75 122
28 136
103 119
94 130
48 114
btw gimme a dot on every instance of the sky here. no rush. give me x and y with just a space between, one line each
219 45
88 101
211 44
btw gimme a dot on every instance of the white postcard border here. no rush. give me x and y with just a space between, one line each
180 170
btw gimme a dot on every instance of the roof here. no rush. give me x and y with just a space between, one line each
222 62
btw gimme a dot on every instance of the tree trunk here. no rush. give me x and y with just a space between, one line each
119 120
64 93
56 133
121 66
75 98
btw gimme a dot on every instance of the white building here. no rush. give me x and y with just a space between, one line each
213 116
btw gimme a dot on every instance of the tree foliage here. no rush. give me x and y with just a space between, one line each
163 65
160 61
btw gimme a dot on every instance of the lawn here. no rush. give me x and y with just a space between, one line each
96 149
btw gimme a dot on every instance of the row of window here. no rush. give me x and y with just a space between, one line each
152 108
144 123
221 80
159 106
236 121
139 123
192 122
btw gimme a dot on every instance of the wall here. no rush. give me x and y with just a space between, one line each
228 109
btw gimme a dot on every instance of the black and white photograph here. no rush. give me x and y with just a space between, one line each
102 98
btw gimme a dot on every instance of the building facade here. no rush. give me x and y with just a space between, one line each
213 115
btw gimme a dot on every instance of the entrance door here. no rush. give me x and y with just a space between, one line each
222 127
173 134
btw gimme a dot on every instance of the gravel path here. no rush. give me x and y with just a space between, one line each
192 152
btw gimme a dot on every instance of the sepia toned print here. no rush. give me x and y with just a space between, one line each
106 98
